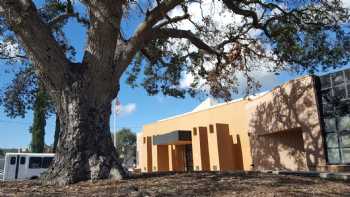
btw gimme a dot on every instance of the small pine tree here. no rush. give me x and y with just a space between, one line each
39 121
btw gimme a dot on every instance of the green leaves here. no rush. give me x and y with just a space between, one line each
126 145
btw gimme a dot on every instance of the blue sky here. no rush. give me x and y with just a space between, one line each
14 133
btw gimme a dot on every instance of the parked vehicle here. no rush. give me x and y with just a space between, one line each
2 160
21 166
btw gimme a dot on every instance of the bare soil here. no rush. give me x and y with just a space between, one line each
188 184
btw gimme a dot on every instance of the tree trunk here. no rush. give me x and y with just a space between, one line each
85 150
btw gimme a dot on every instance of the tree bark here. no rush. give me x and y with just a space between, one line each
85 150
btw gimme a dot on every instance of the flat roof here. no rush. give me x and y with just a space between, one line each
217 105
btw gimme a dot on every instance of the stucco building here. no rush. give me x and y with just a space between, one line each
303 124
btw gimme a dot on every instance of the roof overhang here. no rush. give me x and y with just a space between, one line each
173 137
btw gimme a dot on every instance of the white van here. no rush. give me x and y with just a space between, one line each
21 166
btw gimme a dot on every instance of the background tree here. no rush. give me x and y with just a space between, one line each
126 146
2 153
299 35
39 121
23 94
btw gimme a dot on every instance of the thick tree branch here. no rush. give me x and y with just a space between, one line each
172 20
143 33
36 37
64 17
103 36
177 33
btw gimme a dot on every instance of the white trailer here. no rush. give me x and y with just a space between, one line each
21 166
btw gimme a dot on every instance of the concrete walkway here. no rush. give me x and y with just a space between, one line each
324 175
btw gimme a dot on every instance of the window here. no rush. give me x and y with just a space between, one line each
13 161
335 100
211 129
345 140
325 81
144 140
326 95
329 124
346 155
194 131
340 92
22 161
347 74
344 123
35 162
332 140
333 155
46 162
337 78
328 110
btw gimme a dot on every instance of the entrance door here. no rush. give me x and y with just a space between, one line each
189 158
10 168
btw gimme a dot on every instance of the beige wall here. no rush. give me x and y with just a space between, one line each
268 122
292 110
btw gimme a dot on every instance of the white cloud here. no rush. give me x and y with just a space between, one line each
9 49
267 80
127 109
346 3
223 20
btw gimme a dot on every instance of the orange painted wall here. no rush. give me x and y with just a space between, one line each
232 113
163 153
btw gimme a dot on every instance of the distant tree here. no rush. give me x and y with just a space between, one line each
39 121
2 153
126 146
22 95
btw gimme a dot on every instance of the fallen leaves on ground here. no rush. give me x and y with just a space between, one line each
187 184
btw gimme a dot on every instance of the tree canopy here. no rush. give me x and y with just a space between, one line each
302 35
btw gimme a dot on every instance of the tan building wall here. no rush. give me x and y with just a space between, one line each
233 114
279 130
285 127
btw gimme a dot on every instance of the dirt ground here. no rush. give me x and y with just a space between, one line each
188 184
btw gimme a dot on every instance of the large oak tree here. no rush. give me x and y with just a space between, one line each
300 35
